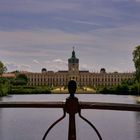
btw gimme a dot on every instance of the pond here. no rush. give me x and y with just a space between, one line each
31 124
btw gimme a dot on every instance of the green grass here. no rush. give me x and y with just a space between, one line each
30 90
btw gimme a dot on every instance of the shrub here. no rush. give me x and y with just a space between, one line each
29 90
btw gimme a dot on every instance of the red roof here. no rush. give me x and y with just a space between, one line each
9 75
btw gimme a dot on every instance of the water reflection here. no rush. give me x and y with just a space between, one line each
30 124
1 121
137 125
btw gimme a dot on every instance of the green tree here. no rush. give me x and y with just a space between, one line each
3 68
136 59
3 81
21 79
3 89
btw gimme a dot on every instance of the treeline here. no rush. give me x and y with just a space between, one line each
131 87
123 89
18 85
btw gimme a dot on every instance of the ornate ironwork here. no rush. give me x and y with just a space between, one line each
72 106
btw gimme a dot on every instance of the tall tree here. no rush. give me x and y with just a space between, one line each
3 82
3 68
136 59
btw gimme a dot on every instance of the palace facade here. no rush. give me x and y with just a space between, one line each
83 78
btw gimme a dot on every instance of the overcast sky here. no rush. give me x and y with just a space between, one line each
41 33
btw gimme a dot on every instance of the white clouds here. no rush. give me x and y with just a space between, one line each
99 45
24 67
101 30
56 64
36 61
60 61
84 67
12 66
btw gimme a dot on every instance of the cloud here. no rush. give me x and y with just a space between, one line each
84 67
72 16
36 7
104 46
36 61
12 66
46 37
37 43
57 64
60 61
24 67
33 31
85 22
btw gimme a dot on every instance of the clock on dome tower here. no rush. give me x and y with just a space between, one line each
73 63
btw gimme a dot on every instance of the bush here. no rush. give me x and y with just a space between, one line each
30 90
21 79
119 90
3 89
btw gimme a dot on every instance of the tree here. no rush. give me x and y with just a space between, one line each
21 79
136 59
3 81
3 68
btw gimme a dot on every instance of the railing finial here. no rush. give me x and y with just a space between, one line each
72 86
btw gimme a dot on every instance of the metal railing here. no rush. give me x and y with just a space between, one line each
72 106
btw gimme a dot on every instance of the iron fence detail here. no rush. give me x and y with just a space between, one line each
72 106
47 132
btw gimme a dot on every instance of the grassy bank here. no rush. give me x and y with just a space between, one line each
29 90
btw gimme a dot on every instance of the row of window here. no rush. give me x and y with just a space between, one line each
82 76
80 80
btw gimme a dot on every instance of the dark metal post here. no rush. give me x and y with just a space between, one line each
72 128
72 107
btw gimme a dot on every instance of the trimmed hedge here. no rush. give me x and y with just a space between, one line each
29 90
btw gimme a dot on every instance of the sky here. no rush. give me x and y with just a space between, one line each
36 34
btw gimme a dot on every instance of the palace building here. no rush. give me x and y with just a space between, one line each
83 78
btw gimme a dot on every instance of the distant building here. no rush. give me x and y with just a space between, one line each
83 78
9 75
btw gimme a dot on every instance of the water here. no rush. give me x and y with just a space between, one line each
31 124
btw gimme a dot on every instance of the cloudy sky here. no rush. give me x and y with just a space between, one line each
41 33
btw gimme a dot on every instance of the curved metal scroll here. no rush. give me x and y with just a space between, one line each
94 128
46 133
